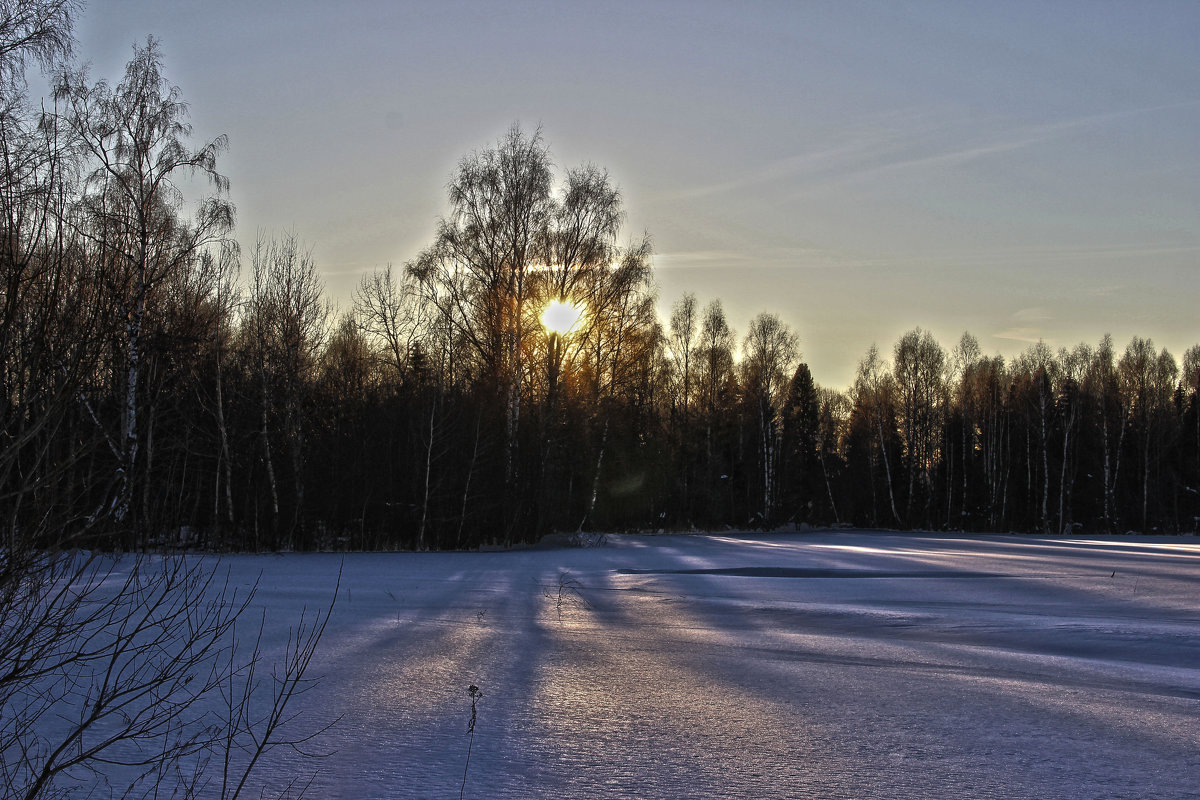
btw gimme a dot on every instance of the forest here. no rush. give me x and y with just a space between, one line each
163 387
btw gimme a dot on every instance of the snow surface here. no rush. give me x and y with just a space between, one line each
822 665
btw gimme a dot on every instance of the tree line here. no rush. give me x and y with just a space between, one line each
163 387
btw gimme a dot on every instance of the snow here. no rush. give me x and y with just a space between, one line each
823 665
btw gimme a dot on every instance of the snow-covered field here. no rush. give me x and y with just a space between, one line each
822 665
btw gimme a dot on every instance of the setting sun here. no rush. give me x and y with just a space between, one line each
561 317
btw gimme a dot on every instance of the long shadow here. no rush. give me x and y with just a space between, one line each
770 669
1067 615
804 572
771 637
397 664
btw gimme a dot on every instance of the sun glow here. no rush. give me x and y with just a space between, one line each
561 317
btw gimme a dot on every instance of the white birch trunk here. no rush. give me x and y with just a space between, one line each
887 468
428 472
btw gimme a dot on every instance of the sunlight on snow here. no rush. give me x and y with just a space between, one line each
603 684
1181 549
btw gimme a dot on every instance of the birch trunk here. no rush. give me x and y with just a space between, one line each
767 466
888 471
595 479
428 472
224 460
828 488
1062 479
129 422
264 434
462 515
1045 464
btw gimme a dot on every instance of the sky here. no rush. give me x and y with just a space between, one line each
1022 171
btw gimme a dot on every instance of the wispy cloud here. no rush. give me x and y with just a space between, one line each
880 136
1030 335
1035 314
906 140
700 258
1029 255
859 148
761 257
1018 138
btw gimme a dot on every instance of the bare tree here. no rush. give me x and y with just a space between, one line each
1036 373
393 315
1105 386
225 299
964 361
135 136
287 325
33 30
834 412
581 265
1190 387
873 391
716 387
769 354
1074 365
919 363
1190 373
621 334
682 343
513 243
1147 380
478 272
54 324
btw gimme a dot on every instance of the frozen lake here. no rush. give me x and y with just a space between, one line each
822 665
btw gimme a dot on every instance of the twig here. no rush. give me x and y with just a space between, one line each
475 694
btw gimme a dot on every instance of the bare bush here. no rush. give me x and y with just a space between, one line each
133 677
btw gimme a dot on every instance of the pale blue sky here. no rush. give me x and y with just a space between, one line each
1019 170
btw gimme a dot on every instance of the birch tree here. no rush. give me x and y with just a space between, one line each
1148 380
716 390
964 361
1106 387
514 241
873 393
682 344
136 138
287 325
917 367
390 312
1074 365
478 271
1190 389
769 354
1039 373
40 31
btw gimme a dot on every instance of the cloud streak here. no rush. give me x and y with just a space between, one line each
1020 138
898 141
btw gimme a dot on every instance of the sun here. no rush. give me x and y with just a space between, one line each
561 317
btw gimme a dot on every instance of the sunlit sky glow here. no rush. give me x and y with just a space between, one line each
1019 170
560 317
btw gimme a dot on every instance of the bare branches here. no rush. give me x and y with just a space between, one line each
131 673
286 327
38 30
393 315
133 138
